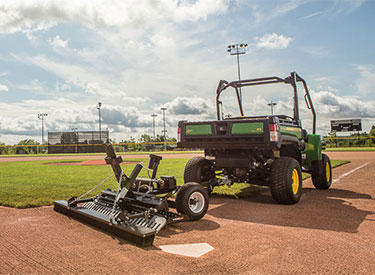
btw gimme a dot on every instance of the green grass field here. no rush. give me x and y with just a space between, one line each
102 154
35 183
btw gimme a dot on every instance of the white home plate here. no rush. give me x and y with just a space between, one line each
190 250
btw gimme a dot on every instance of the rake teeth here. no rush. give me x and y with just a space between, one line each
135 233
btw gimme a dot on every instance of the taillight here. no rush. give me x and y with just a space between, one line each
274 132
178 134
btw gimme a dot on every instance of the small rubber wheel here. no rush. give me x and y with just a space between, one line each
324 180
192 200
286 181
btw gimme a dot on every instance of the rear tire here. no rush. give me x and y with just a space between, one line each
199 169
324 180
286 181
192 200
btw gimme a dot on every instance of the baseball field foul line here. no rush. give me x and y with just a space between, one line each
350 172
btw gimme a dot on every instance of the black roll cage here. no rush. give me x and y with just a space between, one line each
292 80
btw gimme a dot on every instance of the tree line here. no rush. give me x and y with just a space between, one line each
363 139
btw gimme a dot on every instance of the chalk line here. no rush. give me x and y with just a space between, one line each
350 172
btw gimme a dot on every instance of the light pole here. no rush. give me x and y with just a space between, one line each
271 105
41 117
237 49
153 123
164 131
75 139
100 123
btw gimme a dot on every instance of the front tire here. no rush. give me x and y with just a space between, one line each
323 180
192 200
286 181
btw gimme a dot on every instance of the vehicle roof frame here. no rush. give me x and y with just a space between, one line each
292 80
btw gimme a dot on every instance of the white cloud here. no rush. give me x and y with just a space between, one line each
136 55
136 101
162 41
24 14
313 15
272 41
128 117
199 9
264 11
34 86
29 31
366 83
3 88
275 9
322 79
91 88
63 114
346 6
333 105
57 42
189 106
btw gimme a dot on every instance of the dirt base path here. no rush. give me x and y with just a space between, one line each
328 231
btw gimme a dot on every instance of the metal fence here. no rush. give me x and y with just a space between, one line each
350 141
77 142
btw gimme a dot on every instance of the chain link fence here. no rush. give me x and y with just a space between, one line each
351 141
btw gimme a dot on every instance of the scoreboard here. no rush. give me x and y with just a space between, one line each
346 125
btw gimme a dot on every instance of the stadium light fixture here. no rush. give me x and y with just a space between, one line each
100 121
153 123
237 49
164 130
41 117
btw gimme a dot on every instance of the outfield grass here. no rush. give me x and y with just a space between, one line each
35 183
103 154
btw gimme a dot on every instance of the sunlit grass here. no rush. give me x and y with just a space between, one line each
35 183
146 153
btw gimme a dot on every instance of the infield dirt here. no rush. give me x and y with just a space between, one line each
327 232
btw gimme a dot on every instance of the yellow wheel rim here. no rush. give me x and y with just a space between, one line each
295 184
328 172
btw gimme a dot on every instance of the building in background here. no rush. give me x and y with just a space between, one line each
77 142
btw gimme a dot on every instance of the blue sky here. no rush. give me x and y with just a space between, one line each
62 57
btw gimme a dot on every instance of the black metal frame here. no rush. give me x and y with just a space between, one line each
292 80
129 212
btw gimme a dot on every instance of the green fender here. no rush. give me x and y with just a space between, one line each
313 150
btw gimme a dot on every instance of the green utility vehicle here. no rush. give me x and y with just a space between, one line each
270 150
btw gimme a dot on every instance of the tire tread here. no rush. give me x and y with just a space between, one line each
279 185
